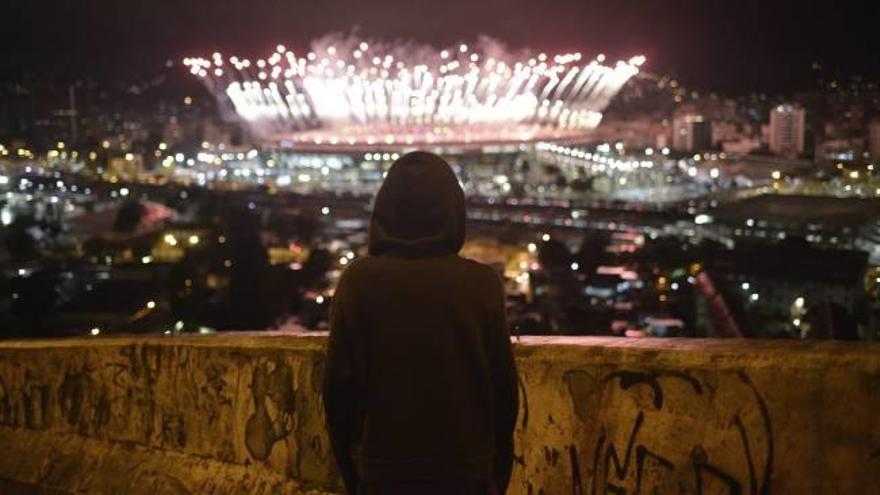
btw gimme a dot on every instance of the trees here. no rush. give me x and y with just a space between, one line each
129 216
21 237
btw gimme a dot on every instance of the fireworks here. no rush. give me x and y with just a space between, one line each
348 92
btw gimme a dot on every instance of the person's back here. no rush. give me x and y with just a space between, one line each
420 385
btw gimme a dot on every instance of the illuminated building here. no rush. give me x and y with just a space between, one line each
787 127
691 133
874 139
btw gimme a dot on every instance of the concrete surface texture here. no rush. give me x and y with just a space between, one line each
242 414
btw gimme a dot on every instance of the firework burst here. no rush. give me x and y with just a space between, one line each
351 92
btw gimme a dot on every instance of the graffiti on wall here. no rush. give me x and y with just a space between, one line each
721 430
274 399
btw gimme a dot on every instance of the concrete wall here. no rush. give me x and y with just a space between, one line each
241 414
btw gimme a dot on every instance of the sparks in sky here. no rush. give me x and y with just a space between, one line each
351 92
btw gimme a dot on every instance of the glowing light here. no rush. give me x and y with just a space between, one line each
151 304
410 93
193 240
95 331
702 219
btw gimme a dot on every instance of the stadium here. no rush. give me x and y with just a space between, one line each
349 95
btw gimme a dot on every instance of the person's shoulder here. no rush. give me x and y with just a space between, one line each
356 269
486 273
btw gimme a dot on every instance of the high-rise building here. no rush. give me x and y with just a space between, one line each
874 139
691 132
787 129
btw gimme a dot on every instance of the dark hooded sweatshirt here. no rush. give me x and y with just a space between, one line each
420 382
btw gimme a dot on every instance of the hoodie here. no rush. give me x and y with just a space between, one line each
420 383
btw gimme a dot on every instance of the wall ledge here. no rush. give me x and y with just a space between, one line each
240 412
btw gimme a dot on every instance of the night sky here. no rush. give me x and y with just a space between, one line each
726 45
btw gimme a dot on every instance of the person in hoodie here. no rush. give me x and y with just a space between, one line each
420 385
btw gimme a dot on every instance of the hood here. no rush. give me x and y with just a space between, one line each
419 210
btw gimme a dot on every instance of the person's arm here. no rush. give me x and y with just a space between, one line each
504 387
339 391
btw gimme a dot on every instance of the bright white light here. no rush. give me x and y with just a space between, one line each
754 297
95 331
467 93
151 304
319 299
702 219
545 237
575 266
745 285
325 210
